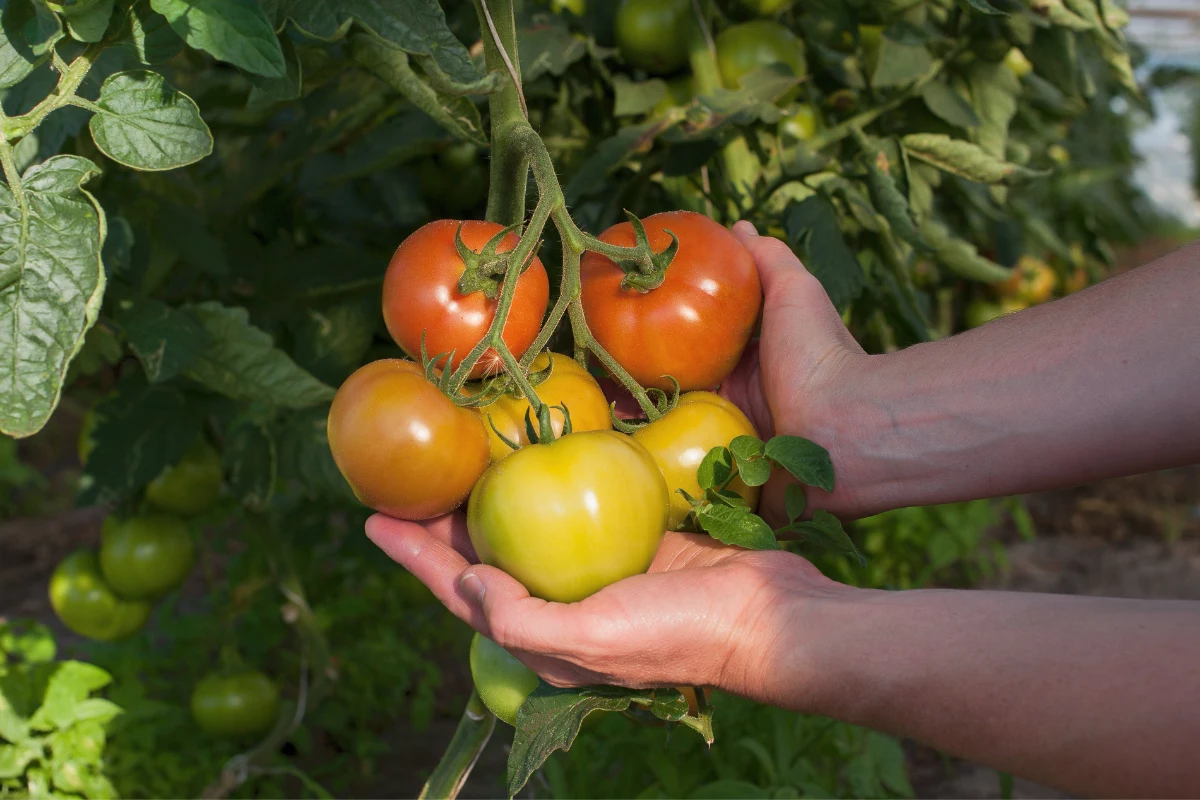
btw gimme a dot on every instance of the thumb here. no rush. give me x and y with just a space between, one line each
507 614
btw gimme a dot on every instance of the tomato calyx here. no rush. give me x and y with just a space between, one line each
644 269
663 404
483 270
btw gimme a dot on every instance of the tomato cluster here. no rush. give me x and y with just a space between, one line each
555 496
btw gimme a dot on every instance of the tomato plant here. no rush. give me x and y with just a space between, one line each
568 384
403 447
602 517
748 46
695 324
190 486
654 34
86 604
144 557
681 438
502 681
239 702
423 304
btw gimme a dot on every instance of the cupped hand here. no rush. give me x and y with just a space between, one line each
704 615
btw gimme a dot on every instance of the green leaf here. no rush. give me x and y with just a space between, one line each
142 430
16 758
236 31
888 198
960 256
634 98
715 468
984 7
808 462
251 462
390 63
147 124
964 159
66 699
550 719
51 286
745 448
994 92
813 229
28 31
269 91
825 530
548 48
87 22
611 154
949 105
304 456
1058 14
27 640
166 341
242 362
753 469
720 497
736 526
794 501
153 38
416 26
900 62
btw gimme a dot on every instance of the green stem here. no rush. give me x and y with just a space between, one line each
64 92
13 177
474 729
510 167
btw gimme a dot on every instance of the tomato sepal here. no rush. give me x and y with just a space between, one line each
482 270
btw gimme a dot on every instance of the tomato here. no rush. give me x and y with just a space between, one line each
569 384
762 8
87 604
680 92
405 449
191 486
1059 154
693 326
570 517
502 681
576 7
653 34
681 438
745 47
1033 282
1017 63
802 125
237 703
420 295
143 558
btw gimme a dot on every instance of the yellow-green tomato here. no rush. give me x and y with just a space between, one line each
87 604
502 681
570 517
654 34
569 384
743 48
191 486
762 8
683 436
237 703
143 558
801 126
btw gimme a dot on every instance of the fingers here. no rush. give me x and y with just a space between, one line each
777 264
426 552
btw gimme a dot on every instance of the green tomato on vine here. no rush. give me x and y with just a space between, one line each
191 486
501 680
654 34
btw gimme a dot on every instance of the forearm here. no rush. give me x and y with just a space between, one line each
1100 384
1096 696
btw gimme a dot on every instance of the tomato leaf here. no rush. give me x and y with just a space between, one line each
28 30
250 461
268 91
633 98
825 530
813 229
235 31
146 124
51 286
153 37
88 22
949 105
737 526
808 462
725 497
305 458
165 341
964 159
900 61
715 469
794 501
984 7
960 256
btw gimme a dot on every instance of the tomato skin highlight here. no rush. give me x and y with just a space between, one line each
568 518
87 604
143 558
569 384
235 704
695 325
420 295
402 445
653 34
191 486
502 681
681 438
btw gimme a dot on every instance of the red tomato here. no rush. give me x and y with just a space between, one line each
404 448
693 326
420 294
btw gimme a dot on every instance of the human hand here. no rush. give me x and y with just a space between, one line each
705 614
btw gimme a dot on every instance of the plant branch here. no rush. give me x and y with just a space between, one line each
474 730
68 84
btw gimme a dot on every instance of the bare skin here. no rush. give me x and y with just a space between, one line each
1093 695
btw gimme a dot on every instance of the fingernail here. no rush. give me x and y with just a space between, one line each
748 227
472 587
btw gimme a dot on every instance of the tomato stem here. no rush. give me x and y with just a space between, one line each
474 730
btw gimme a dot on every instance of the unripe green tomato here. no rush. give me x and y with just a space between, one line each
191 486
1017 63
743 48
87 604
502 681
980 312
238 703
1059 154
570 517
653 34
681 438
576 7
680 92
761 8
801 126
143 558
